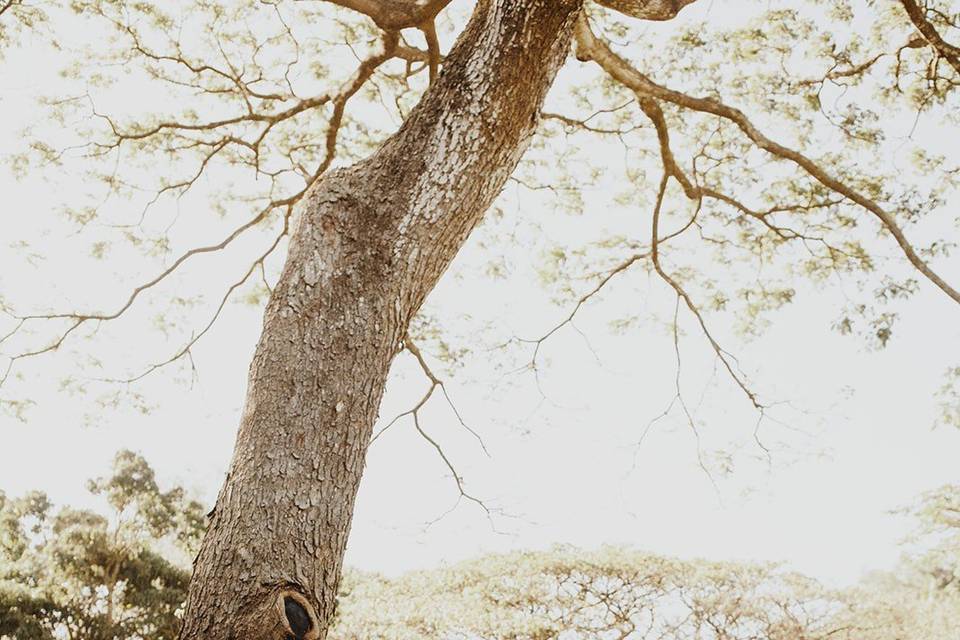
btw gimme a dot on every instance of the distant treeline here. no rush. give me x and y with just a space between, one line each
123 574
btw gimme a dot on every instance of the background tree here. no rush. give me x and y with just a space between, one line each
254 109
79 574
571 593
938 533
627 595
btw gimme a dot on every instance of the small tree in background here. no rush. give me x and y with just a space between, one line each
83 575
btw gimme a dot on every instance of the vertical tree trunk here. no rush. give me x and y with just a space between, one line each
370 243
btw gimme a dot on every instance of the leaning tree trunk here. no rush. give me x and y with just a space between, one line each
370 243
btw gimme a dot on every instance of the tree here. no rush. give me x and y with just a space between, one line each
369 241
613 593
938 514
82 575
78 574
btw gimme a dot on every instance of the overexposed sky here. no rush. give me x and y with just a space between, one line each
852 440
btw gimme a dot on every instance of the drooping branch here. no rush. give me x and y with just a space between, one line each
720 352
593 48
435 383
414 414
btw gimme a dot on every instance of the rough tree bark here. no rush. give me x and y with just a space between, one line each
369 244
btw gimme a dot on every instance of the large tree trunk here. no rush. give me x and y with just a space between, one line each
369 244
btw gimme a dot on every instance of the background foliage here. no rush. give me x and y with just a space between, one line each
119 572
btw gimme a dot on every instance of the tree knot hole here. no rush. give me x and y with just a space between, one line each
298 615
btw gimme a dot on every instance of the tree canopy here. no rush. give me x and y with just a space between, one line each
802 142
98 574
742 162
326 162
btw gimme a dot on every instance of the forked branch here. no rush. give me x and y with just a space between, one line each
918 17
414 414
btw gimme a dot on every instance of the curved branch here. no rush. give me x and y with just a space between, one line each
918 17
646 9
592 48
394 15
414 414
698 192
722 354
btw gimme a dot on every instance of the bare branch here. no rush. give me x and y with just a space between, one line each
584 123
435 383
453 471
722 354
414 350
676 381
186 350
414 413
568 320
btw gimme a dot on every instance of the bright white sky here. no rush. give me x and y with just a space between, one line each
857 441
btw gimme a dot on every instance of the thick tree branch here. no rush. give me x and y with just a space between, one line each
918 17
4 6
698 192
394 15
646 9
592 48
